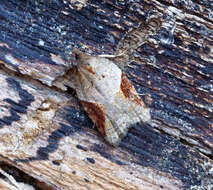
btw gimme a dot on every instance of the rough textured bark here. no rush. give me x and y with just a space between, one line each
44 131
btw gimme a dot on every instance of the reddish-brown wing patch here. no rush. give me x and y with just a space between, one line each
97 114
129 91
89 69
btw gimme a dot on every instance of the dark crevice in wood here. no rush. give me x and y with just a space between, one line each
71 91
19 107
150 148
186 143
22 177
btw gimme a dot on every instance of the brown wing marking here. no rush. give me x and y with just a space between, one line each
129 91
97 113
89 69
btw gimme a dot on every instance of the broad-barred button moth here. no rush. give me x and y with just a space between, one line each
108 97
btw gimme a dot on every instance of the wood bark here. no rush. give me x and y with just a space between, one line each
45 134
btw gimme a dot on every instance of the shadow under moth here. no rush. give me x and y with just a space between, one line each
108 97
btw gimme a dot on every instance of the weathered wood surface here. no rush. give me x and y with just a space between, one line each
43 128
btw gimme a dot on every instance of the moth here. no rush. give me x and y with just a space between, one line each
108 97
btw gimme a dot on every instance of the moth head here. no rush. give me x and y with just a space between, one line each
82 59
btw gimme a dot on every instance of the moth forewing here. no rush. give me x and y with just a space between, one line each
108 97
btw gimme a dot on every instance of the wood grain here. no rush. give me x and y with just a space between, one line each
46 133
